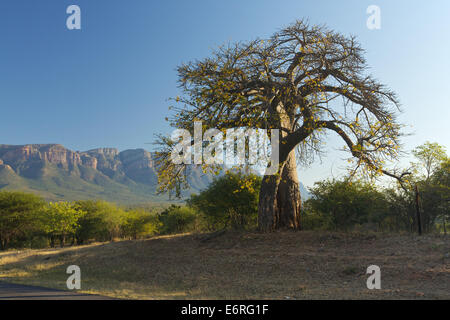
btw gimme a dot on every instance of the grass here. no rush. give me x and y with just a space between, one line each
235 265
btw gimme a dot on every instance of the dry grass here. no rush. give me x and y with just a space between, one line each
282 265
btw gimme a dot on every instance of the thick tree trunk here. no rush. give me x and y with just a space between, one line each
288 195
267 208
279 199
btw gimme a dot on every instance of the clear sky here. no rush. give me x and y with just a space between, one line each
107 85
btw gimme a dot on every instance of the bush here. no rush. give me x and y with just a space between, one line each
177 219
20 217
342 205
230 201
101 221
311 220
61 221
139 223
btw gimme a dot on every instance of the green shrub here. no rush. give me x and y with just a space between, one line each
343 205
139 223
311 220
177 219
102 221
20 217
230 201
61 220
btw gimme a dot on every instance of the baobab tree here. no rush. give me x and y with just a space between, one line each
305 81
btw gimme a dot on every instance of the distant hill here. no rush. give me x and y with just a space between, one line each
58 173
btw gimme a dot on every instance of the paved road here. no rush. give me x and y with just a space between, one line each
9 291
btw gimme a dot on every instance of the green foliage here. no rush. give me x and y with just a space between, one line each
19 215
93 225
177 219
342 205
113 220
435 196
139 223
430 156
431 178
230 201
313 220
401 213
28 221
61 220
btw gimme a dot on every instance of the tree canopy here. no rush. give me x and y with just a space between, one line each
305 81
19 213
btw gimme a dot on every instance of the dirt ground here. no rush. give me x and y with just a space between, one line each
236 265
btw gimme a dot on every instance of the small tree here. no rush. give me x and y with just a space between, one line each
401 209
230 200
19 215
435 196
424 192
138 223
101 222
113 219
441 179
61 219
92 225
429 157
177 219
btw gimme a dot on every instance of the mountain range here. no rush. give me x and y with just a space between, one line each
57 173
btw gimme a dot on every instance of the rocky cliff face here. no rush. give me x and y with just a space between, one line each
15 156
136 164
105 173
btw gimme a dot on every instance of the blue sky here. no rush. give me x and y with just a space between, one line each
107 85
